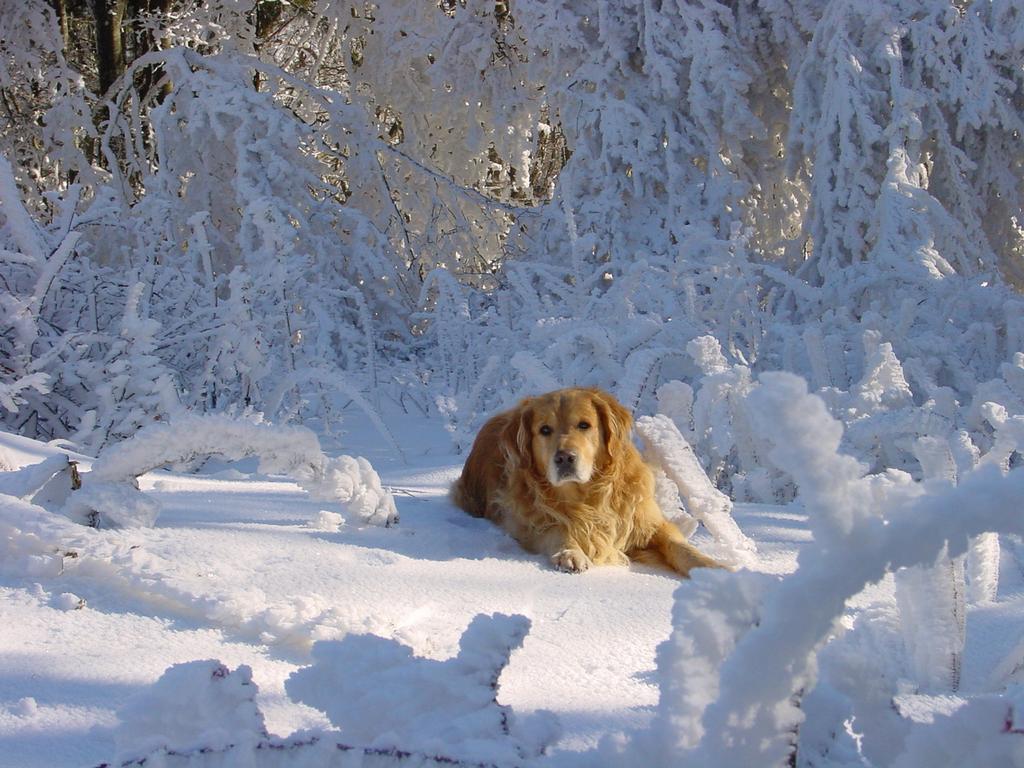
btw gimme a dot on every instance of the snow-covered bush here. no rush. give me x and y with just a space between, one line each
46 126
742 656
252 275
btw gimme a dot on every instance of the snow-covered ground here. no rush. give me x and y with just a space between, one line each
245 569
241 568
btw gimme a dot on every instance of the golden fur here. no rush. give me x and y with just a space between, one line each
560 473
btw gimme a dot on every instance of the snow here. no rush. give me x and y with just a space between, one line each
221 712
379 694
246 606
233 571
786 235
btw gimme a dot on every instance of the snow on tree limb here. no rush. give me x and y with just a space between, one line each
669 450
290 450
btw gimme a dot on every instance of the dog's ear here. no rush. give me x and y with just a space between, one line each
517 435
616 421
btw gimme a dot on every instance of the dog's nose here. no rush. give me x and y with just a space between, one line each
565 459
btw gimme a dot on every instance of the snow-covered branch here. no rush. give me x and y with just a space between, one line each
292 451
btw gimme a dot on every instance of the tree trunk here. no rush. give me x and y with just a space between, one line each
61 9
266 15
109 40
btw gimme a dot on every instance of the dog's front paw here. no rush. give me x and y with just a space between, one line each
571 560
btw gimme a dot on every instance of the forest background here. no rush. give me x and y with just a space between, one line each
285 207
292 211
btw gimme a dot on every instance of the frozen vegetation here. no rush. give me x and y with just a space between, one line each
264 275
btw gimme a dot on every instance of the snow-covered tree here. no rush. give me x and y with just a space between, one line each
825 188
133 388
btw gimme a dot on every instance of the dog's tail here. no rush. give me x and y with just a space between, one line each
668 548
461 497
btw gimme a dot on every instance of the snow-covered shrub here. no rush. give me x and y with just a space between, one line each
753 642
46 125
134 388
266 279
39 298
285 294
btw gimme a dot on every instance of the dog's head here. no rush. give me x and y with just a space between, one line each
569 435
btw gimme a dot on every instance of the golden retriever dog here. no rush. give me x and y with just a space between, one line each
560 473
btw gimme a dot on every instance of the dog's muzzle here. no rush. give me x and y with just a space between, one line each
565 465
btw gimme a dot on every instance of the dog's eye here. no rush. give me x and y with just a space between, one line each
545 430
584 425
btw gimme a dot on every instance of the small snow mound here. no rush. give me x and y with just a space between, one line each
355 483
111 505
26 708
32 540
68 601
326 521
199 704
378 694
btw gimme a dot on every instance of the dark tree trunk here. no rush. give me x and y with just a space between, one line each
110 59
